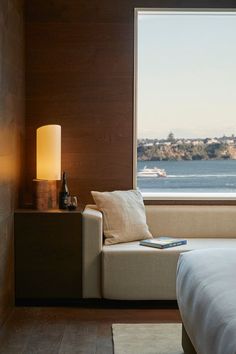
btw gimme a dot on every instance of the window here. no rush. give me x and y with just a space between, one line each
185 102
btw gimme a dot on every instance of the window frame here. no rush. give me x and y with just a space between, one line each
171 198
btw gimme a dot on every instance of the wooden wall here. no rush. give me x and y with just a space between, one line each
11 138
79 73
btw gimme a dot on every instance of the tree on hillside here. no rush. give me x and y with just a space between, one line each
171 137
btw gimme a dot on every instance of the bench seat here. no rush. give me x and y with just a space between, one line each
131 271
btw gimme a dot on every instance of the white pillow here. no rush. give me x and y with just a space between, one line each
124 216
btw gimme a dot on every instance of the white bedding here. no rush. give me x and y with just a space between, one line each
206 294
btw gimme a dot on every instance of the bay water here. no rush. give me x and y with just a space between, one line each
209 176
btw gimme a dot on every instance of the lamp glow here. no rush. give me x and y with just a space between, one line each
48 152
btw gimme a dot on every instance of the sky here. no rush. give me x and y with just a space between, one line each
186 74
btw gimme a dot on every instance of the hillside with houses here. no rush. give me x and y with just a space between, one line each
172 148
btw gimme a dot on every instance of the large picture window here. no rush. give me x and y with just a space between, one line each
185 102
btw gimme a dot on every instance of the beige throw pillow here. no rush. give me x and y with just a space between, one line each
124 216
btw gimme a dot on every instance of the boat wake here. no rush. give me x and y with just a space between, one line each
201 176
139 175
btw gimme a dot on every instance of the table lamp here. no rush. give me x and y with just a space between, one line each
48 166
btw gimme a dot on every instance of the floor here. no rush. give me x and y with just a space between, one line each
47 330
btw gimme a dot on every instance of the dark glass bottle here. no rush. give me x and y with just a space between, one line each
64 193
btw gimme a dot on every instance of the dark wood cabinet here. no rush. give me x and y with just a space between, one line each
48 255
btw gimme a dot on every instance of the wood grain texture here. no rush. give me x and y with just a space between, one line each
11 138
79 74
48 255
71 330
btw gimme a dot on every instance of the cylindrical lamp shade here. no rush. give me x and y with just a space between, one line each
49 152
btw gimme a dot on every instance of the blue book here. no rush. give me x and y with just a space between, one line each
163 242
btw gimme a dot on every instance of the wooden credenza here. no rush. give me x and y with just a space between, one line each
48 255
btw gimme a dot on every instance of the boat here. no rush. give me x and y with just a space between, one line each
152 172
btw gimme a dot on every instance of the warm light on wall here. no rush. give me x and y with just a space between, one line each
49 152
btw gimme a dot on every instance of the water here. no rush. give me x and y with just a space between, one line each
190 176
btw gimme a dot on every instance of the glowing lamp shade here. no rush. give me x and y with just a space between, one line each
49 152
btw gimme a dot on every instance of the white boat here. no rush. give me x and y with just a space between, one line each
152 172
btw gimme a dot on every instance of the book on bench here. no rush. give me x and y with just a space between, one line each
163 242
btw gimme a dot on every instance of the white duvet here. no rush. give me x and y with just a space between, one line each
206 294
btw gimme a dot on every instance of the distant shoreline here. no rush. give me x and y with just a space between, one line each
172 149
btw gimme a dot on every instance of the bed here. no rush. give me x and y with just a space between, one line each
206 295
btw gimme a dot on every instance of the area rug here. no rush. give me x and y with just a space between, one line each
146 338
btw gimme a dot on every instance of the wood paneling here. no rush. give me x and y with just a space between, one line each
79 74
11 138
48 254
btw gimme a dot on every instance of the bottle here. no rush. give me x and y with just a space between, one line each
64 193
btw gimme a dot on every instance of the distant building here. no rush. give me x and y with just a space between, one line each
209 141
197 142
148 144
229 141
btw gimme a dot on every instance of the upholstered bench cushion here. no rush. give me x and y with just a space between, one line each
134 272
